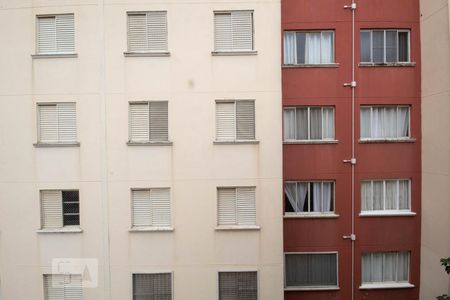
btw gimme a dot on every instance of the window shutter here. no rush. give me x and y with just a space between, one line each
223 31
67 128
65 33
242 28
159 121
142 215
137 32
227 206
245 120
152 286
246 206
48 123
238 285
225 121
139 121
157 31
160 202
72 287
51 206
46 35
54 287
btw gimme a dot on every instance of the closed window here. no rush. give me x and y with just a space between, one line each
314 47
238 286
309 197
63 287
233 31
55 34
386 195
57 123
311 270
157 286
385 46
385 122
151 207
235 120
147 31
59 208
385 267
309 123
236 206
149 121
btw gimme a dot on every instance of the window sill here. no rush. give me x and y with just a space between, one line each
49 145
332 65
312 288
234 53
54 55
61 230
309 142
387 214
377 286
147 54
236 227
310 216
160 143
249 142
396 64
151 229
388 140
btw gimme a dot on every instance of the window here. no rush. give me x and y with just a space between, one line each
385 46
151 207
315 47
156 286
309 197
149 121
385 122
235 120
147 31
57 123
386 195
55 34
309 123
233 31
311 270
385 268
236 206
62 287
238 286
59 209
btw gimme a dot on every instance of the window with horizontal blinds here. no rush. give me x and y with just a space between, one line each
59 208
147 31
57 122
235 120
233 31
156 286
149 121
151 207
238 286
236 206
311 270
56 34
63 287
385 267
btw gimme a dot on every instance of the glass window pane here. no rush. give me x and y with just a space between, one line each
302 123
391 46
301 44
327 47
311 270
377 195
378 46
328 123
403 46
316 123
365 46
290 48
391 194
365 122
313 48
366 267
366 195
403 122
403 267
289 124
377 124
389 266
390 122
403 195
377 267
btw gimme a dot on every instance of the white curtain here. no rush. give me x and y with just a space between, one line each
296 192
315 123
366 195
365 122
289 124
317 199
327 47
327 197
313 48
403 194
389 266
391 194
377 122
302 194
290 48
390 120
377 267
328 123
403 122
302 123
403 267
377 195
366 267
290 189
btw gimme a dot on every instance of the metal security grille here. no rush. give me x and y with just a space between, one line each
152 286
71 208
238 286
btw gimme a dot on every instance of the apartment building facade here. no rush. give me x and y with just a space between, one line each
352 149
140 140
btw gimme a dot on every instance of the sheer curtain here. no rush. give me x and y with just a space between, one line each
391 194
316 123
296 192
327 47
302 123
317 199
290 189
389 266
290 48
366 195
313 48
378 195
328 123
403 122
289 124
327 197
403 267
377 267
403 195
365 122
390 120
366 262
377 122
302 194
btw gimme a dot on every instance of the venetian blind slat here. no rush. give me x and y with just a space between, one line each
227 206
225 121
139 122
245 120
223 32
242 28
51 206
158 121
160 201
246 206
48 123
142 215
67 129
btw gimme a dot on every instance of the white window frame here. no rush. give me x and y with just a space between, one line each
371 118
235 51
143 228
311 288
235 101
64 286
153 272
312 213
58 141
149 141
239 271
384 47
38 53
63 228
294 108
321 58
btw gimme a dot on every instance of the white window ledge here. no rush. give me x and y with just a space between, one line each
387 214
332 65
237 227
394 285
312 288
309 142
234 53
151 229
310 216
250 142
54 55
48 145
154 143
388 64
387 140
68 229
147 54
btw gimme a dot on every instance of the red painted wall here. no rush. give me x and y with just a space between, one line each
376 85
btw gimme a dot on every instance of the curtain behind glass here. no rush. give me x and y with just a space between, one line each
378 46
378 195
317 197
391 46
327 47
366 267
316 123
366 195
389 266
311 270
302 123
365 122
290 190
403 194
289 124
403 267
365 46
391 194
313 48
327 198
403 122
328 123
290 48
390 122
377 122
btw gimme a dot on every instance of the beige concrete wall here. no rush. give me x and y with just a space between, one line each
435 36
101 81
